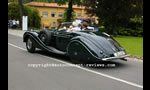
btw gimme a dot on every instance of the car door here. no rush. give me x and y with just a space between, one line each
62 39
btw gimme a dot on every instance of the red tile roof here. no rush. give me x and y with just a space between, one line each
41 4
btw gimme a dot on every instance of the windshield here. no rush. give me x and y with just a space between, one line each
76 26
64 26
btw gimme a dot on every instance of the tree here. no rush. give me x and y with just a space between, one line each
114 13
12 0
21 11
69 10
34 19
13 11
47 1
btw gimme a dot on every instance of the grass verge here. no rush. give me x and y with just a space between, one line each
132 45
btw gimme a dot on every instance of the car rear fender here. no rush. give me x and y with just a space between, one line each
89 46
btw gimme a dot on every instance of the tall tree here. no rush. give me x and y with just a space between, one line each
21 11
34 19
70 8
12 0
114 13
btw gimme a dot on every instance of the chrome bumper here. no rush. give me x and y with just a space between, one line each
118 57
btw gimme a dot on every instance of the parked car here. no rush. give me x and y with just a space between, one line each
87 45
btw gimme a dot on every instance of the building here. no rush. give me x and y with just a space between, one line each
52 13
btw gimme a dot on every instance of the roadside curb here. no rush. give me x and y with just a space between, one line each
16 32
130 58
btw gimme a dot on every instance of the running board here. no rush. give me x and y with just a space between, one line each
54 50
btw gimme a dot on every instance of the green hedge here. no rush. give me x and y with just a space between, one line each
34 19
133 28
138 32
130 32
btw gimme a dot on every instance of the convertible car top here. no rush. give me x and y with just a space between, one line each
88 46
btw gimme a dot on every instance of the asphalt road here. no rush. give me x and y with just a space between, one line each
119 75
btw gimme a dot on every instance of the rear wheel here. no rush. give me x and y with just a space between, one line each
77 53
29 45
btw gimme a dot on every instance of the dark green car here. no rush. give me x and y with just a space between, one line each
86 45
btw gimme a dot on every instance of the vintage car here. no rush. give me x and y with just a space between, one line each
87 45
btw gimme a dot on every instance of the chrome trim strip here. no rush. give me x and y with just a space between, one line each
110 58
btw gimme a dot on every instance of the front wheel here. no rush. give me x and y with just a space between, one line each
29 45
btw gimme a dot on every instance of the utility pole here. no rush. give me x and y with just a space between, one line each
21 11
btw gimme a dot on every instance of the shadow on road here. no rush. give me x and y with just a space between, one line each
98 65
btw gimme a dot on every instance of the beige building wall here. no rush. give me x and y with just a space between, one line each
54 21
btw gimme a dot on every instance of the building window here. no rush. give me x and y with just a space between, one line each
60 14
45 14
53 14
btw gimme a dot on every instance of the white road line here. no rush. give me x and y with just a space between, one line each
98 73
16 46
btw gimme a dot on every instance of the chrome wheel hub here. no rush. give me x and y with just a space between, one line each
29 44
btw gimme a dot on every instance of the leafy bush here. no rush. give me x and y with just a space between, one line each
133 28
34 20
131 32
33 15
106 29
125 31
13 11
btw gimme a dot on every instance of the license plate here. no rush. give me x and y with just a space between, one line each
119 53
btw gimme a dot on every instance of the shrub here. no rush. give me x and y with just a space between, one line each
13 11
34 19
133 28
130 32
